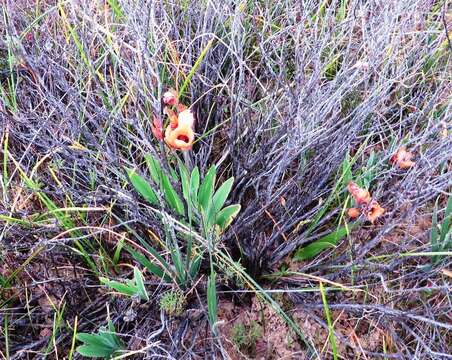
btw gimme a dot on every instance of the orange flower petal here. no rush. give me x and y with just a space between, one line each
406 164
174 121
402 159
186 118
374 211
180 138
360 195
156 128
181 107
353 213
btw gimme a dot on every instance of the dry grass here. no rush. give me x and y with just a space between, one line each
287 91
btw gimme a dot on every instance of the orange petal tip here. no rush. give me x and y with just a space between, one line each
353 213
374 211
402 159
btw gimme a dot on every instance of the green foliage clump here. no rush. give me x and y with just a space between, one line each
173 302
105 344
201 211
244 336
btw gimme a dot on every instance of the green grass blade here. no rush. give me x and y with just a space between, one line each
195 67
445 226
116 7
331 336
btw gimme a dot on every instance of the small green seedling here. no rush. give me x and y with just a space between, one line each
131 288
172 302
244 336
105 344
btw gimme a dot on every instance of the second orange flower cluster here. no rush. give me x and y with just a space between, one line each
368 206
365 204
179 133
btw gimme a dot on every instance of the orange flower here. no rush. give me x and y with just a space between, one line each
353 213
186 117
181 136
179 133
157 128
374 211
402 159
360 195
181 107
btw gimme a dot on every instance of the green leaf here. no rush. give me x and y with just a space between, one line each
346 169
185 182
434 232
226 216
154 253
206 189
94 351
194 266
154 169
110 338
194 186
221 195
330 240
445 226
144 261
93 339
163 181
173 174
112 333
119 246
212 302
176 257
140 284
125 289
143 187
171 196
310 251
104 344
